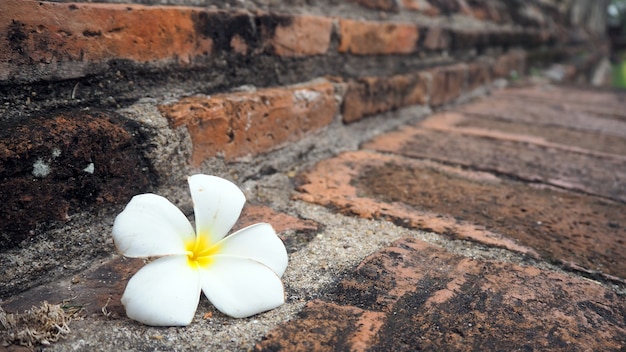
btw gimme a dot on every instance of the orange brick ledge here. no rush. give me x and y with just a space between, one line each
249 123
240 124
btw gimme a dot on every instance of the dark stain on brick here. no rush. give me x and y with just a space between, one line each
89 33
223 27
316 328
51 167
562 226
385 5
447 7
462 39
73 7
363 288
16 36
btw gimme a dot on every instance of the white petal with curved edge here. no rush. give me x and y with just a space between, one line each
217 204
258 242
241 287
151 225
165 292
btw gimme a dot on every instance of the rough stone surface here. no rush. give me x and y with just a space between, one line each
414 296
52 167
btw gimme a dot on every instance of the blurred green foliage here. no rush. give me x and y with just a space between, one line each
616 22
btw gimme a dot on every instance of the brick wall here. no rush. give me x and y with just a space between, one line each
238 80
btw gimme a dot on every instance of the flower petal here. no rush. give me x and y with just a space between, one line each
217 204
163 293
241 287
258 242
151 225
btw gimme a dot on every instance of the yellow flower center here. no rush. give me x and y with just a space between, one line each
200 252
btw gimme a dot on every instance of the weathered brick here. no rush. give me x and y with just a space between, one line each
249 123
294 232
570 98
377 38
371 95
510 136
564 114
414 296
512 63
469 38
386 5
420 5
306 35
435 38
488 10
54 166
478 74
540 134
39 34
334 183
602 175
448 7
448 83
40 38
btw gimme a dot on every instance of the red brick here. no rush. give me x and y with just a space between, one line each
558 112
377 38
420 5
573 99
281 222
333 183
372 95
541 134
448 83
602 175
469 38
414 296
478 74
386 5
435 38
294 232
41 36
506 65
558 225
306 35
42 33
249 123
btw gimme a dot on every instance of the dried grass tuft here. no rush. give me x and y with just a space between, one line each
41 325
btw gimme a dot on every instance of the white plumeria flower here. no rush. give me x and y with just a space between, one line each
240 274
